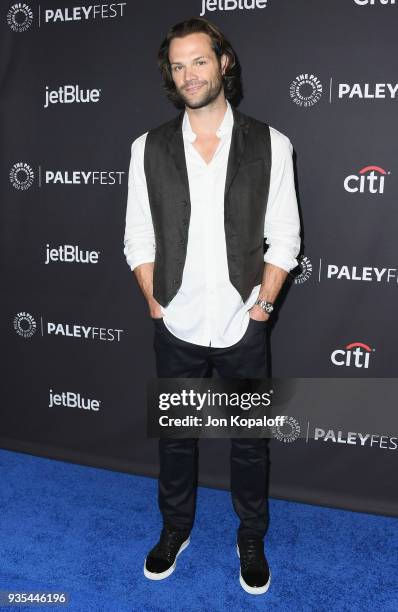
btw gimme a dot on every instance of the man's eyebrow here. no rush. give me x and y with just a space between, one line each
194 60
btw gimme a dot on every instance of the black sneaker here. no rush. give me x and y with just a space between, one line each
162 559
254 576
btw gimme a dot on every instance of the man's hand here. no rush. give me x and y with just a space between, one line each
257 313
144 276
155 310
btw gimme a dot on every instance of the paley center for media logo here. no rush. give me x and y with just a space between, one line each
288 432
22 176
354 354
25 326
305 270
20 15
306 90
370 179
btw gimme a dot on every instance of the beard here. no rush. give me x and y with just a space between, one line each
204 97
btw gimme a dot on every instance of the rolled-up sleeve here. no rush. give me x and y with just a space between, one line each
282 221
139 237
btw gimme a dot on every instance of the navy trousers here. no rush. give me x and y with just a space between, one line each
177 484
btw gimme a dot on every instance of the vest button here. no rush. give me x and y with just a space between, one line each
185 221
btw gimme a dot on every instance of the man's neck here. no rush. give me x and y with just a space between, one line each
206 120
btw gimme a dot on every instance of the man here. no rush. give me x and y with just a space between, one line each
205 189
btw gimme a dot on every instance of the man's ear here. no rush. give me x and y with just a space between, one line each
224 63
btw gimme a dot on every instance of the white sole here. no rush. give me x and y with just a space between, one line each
162 575
249 589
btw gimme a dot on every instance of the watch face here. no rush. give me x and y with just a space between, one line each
269 308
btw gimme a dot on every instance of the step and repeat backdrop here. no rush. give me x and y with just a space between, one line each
79 82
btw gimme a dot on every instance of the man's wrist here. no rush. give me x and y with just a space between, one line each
265 305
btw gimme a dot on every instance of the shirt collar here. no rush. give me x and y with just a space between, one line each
224 128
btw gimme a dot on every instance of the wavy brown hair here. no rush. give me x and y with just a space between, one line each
220 45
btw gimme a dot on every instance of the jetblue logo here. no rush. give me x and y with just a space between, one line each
69 94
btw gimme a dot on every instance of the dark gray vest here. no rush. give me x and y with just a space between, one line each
245 202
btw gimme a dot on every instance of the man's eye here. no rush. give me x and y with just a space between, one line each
201 62
175 68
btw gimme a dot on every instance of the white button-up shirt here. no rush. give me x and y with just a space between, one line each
207 309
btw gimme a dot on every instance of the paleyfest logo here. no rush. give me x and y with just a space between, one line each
369 179
306 90
368 91
20 17
22 176
25 326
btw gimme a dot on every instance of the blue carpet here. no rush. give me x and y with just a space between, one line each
86 531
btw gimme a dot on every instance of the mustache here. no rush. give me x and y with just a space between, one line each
194 84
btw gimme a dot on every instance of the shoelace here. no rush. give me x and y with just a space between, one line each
169 543
250 551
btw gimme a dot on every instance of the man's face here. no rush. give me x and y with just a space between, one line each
195 69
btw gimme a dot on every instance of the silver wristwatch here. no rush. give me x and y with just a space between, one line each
268 307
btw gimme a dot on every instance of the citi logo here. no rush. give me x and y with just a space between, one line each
68 94
306 90
21 176
356 354
68 253
73 400
373 2
369 179
231 5
19 17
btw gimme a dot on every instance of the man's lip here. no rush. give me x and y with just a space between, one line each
193 88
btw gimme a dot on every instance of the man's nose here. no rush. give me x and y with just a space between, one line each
190 74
